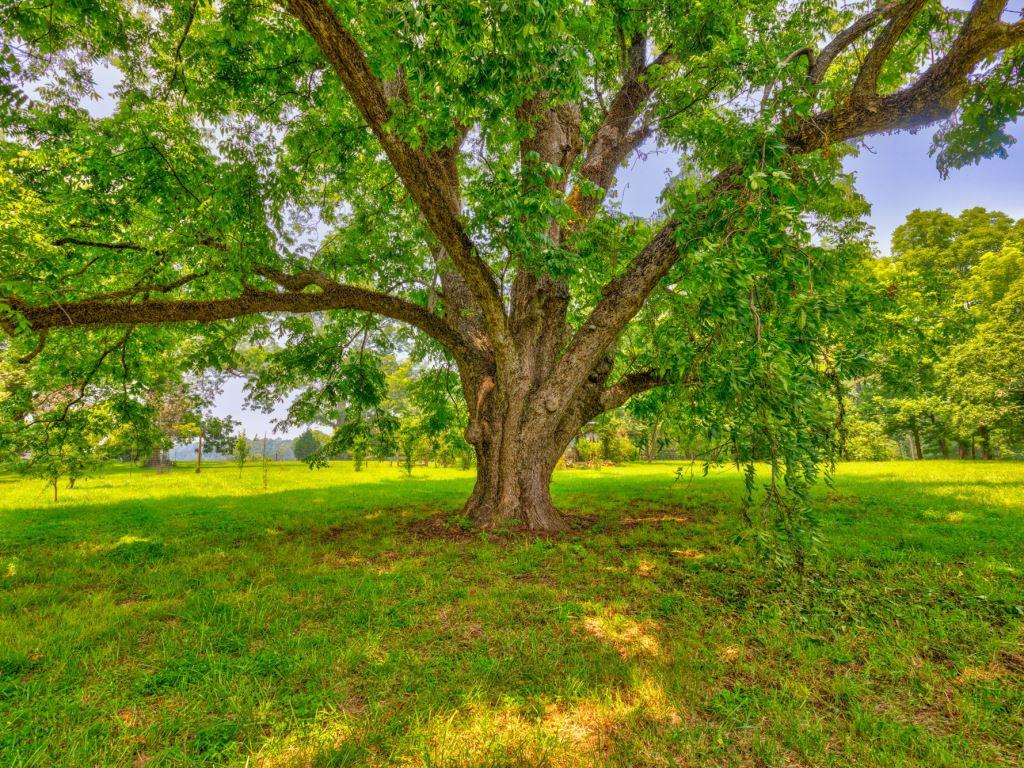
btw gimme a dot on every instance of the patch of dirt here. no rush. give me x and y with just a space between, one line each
451 527
439 527
579 521
1006 665
458 626
670 514
688 554
454 528
732 653
334 533
979 674
1012 661
129 717
645 567
355 705
656 518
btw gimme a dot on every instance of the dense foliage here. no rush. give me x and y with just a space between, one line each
949 372
277 187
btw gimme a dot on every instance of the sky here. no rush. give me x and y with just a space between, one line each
893 172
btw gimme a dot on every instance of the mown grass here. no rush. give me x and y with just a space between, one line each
343 619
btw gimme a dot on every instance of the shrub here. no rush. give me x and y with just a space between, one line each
305 445
867 441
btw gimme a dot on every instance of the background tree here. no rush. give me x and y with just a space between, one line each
457 158
241 452
305 445
214 433
941 375
612 431
984 374
867 441
412 444
63 451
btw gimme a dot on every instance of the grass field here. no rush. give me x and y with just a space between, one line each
343 619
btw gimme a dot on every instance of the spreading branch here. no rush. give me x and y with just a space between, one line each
622 299
865 87
818 66
630 385
97 244
616 138
111 311
933 96
427 177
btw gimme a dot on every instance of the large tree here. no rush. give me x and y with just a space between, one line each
447 165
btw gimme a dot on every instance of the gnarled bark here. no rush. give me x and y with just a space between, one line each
515 460
513 485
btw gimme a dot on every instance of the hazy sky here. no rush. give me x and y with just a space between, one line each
894 173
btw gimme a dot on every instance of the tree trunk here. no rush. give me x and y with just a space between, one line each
518 440
199 454
514 463
986 443
651 449
513 491
916 435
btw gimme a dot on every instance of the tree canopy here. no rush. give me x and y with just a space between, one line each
949 369
279 185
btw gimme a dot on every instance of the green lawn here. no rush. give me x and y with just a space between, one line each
352 619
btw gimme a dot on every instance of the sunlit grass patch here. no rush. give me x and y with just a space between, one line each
344 618
628 636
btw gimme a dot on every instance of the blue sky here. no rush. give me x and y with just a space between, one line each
898 176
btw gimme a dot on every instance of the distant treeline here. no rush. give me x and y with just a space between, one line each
279 449
945 377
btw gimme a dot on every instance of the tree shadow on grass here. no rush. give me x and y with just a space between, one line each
335 632
334 635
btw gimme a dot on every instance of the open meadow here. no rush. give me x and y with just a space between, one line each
341 619
547 240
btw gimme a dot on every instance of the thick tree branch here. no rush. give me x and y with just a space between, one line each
108 311
865 87
426 176
819 66
97 244
141 288
629 385
537 301
615 138
622 299
933 96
